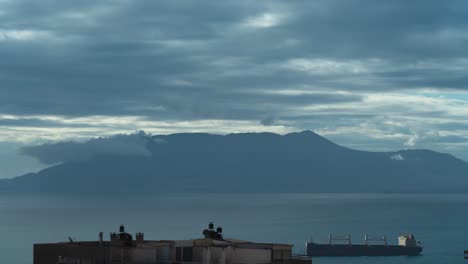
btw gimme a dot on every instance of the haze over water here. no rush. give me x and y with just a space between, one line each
438 221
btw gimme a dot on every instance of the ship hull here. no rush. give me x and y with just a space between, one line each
314 249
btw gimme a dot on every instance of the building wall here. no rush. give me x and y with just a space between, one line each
144 255
250 256
213 255
235 255
49 254
165 252
75 254
280 255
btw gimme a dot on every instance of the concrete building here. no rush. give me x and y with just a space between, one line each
123 249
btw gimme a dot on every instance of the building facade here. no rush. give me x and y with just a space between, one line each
123 249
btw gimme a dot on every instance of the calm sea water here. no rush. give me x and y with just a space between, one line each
440 222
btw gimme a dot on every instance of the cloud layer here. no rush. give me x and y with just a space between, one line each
189 60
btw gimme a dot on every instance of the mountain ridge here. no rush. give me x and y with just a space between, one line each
249 163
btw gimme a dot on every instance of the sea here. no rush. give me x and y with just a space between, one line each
439 221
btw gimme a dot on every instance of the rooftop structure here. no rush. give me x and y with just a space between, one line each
122 248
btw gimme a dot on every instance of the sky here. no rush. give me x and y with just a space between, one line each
370 75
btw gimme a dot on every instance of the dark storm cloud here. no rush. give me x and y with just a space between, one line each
197 59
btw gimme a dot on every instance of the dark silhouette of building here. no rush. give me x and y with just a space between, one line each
122 248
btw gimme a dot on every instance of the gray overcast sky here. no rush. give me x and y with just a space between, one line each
372 75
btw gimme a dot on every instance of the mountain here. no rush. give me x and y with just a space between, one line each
251 163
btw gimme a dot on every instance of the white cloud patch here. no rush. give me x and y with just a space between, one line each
120 145
328 66
397 156
411 142
422 136
23 35
265 20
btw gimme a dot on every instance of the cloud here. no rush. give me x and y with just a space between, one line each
411 142
425 136
40 129
122 145
265 20
324 66
397 156
13 164
268 121
116 58
23 35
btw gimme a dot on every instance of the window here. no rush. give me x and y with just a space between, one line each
184 254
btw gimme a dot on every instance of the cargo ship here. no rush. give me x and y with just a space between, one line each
407 246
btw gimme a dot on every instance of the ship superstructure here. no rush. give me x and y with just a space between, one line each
407 245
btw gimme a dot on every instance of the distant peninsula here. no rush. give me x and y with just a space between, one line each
302 162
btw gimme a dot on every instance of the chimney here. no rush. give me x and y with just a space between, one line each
140 237
101 238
